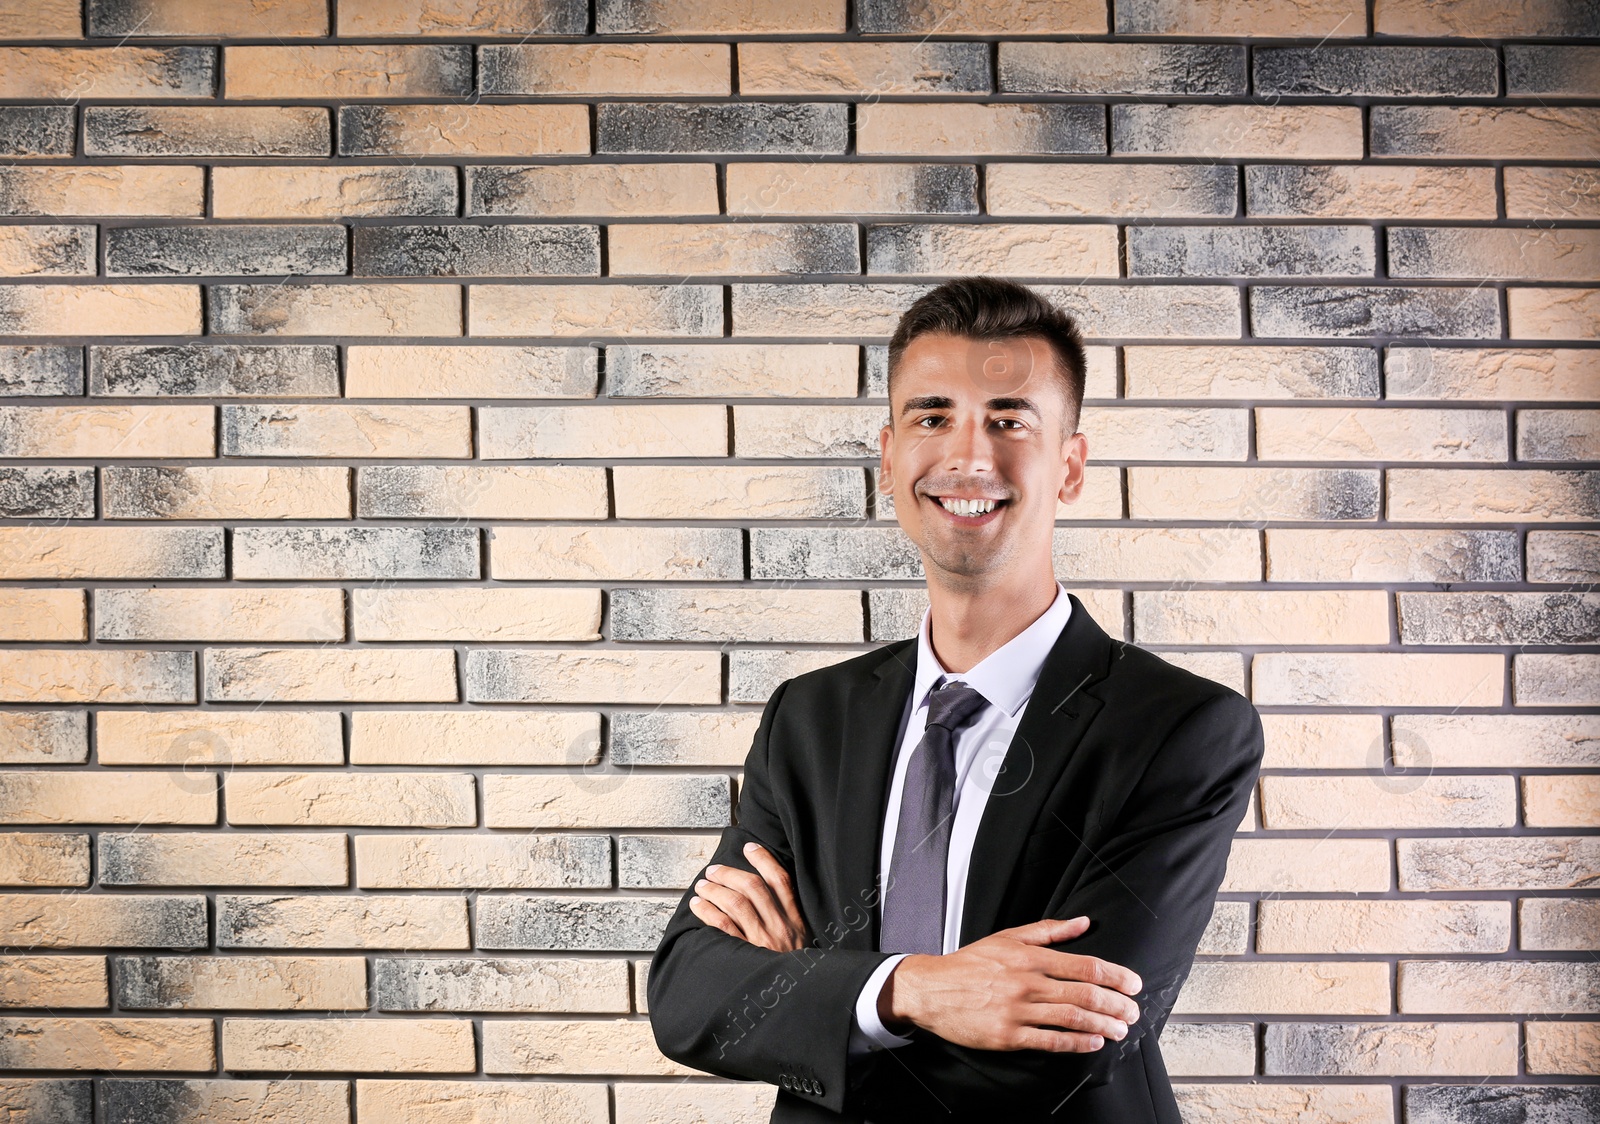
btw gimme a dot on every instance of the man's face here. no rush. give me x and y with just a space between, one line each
978 451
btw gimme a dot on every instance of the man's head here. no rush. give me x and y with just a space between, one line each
986 381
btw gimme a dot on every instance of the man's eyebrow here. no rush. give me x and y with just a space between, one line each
1027 404
927 402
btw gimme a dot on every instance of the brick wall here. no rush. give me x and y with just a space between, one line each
433 427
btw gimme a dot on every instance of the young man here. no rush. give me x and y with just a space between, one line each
971 869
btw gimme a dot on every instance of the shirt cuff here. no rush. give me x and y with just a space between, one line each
869 1032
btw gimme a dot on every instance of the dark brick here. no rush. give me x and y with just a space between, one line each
1565 71
224 251
589 924
356 553
1502 1104
46 1100
46 492
44 369
1378 72
477 251
752 127
1499 618
1250 251
215 370
1122 68
833 554
165 1101
37 130
188 130
1328 311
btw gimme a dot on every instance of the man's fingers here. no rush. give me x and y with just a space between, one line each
777 879
1071 1016
1092 969
714 917
1048 931
1058 1041
734 904
752 888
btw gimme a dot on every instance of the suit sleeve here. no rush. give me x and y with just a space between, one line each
733 1009
1149 895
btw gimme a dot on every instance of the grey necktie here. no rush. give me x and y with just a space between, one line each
914 903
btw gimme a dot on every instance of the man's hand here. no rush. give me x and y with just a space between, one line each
759 910
1007 992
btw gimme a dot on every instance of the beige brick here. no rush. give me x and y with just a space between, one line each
1378 679
1385 801
629 69
1551 193
256 983
233 492
1268 132
1227 668
1323 741
209 18
1305 1104
1317 19
819 188
44 858
211 737
1489 18
820 616
1561 801
809 311
1378 927
1014 249
1117 190
105 73
1558 923
605 801
1243 617
53 981
656 1102
868 68
1564 1048
1480 132
969 128
330 1045
601 190
206 130
1563 556
476 614
329 192
1555 680
1167 433
79 920
1494 741
1157 554
471 372
46 251
484 862
1196 1049
1188 492
1554 253
1250 372
416 491
336 310
235 858
563 432
448 737
315 430
396 1102
578 1046
105 796
1562 314
219 614
44 19
1451 987
110 552
691 492
464 130
1349 191
1492 374
104 190
410 921
354 72
38 1042
616 553
1544 862
1558 435
107 431
44 737
1295 866
1377 555
104 675
612 310
42 614
808 431
1364 434
746 248
688 17
676 676
330 675
360 18
1285 988
1490 495
353 799
733 370
1447 1049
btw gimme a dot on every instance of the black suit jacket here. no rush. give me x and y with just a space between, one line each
1119 799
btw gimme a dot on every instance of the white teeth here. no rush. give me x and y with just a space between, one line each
966 507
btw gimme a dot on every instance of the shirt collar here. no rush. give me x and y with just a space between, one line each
1006 676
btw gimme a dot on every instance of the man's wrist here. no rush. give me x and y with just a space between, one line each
896 1002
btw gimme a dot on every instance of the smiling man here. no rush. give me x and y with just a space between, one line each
970 869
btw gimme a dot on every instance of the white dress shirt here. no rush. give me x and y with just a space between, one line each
1005 678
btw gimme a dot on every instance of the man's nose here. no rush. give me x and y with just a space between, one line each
973 448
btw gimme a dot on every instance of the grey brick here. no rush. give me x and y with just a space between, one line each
37 130
1378 72
833 554
1328 311
666 737
589 924
40 369
215 370
1537 69
52 251
182 130
895 614
1499 618
1481 1103
754 673
1563 556
749 127
46 492
48 1100
1108 311
47 737
492 983
476 251
190 251
877 363
1122 68
662 862
1250 251
355 553
227 1101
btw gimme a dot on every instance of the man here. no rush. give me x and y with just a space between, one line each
970 870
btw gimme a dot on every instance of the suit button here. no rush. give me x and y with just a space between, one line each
819 1088
787 1083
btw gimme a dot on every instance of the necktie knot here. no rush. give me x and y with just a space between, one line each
953 705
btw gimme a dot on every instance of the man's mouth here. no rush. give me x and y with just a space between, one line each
969 509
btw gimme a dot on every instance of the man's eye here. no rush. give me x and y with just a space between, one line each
1009 423
929 421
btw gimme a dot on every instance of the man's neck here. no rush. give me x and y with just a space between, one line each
967 624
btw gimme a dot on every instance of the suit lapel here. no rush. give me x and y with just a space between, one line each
871 727
1053 723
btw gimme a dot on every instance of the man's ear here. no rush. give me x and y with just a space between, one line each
1074 453
885 472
